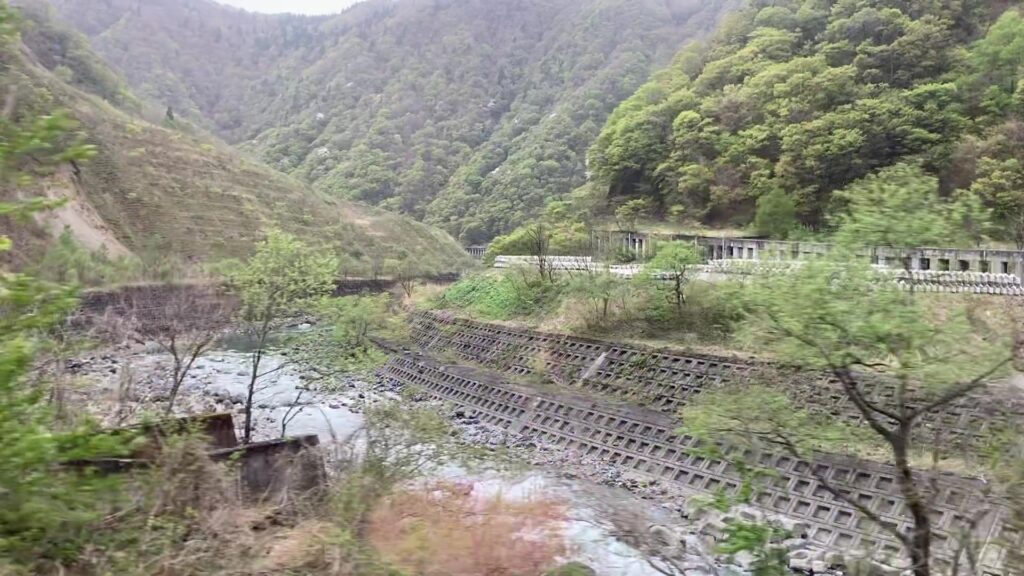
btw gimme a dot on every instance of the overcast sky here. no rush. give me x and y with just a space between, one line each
296 6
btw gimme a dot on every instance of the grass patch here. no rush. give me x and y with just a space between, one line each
503 295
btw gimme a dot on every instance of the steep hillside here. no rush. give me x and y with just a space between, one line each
801 98
468 113
157 189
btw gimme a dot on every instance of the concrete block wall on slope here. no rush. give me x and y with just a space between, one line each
665 380
645 442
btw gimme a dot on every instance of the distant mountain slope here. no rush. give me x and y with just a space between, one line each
469 113
158 188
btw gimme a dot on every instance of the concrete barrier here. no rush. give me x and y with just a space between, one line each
273 471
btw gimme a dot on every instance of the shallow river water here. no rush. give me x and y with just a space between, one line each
594 511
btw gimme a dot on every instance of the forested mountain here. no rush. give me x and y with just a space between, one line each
169 189
467 113
803 97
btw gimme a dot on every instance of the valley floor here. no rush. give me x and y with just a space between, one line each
611 514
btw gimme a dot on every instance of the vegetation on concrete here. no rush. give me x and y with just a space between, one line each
598 304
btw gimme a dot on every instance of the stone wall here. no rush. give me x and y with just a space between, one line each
146 302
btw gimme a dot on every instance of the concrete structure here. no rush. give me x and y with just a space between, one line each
939 259
641 436
274 471
730 269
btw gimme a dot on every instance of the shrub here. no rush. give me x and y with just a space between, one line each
776 215
503 296
447 530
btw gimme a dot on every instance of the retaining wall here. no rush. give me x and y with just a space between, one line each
644 441
664 380
956 282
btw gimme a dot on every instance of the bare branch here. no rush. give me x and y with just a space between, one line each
960 390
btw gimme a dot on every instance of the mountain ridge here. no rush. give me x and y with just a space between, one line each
441 109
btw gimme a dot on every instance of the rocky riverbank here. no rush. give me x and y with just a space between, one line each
640 526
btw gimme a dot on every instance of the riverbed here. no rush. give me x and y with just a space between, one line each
607 527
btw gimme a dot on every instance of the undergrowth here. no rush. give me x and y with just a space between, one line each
598 305
504 296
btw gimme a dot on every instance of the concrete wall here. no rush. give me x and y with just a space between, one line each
644 441
276 470
655 384
732 269
665 380
939 259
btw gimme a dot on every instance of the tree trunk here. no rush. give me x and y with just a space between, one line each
175 386
679 295
257 356
919 542
176 376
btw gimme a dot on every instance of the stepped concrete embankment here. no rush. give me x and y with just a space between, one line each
618 403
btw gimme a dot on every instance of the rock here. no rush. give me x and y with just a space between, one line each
794 544
695 567
835 559
664 538
692 542
819 567
241 373
800 560
572 569
744 559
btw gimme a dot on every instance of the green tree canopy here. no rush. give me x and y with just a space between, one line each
811 98
901 207
776 215
675 262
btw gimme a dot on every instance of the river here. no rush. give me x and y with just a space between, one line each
596 514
